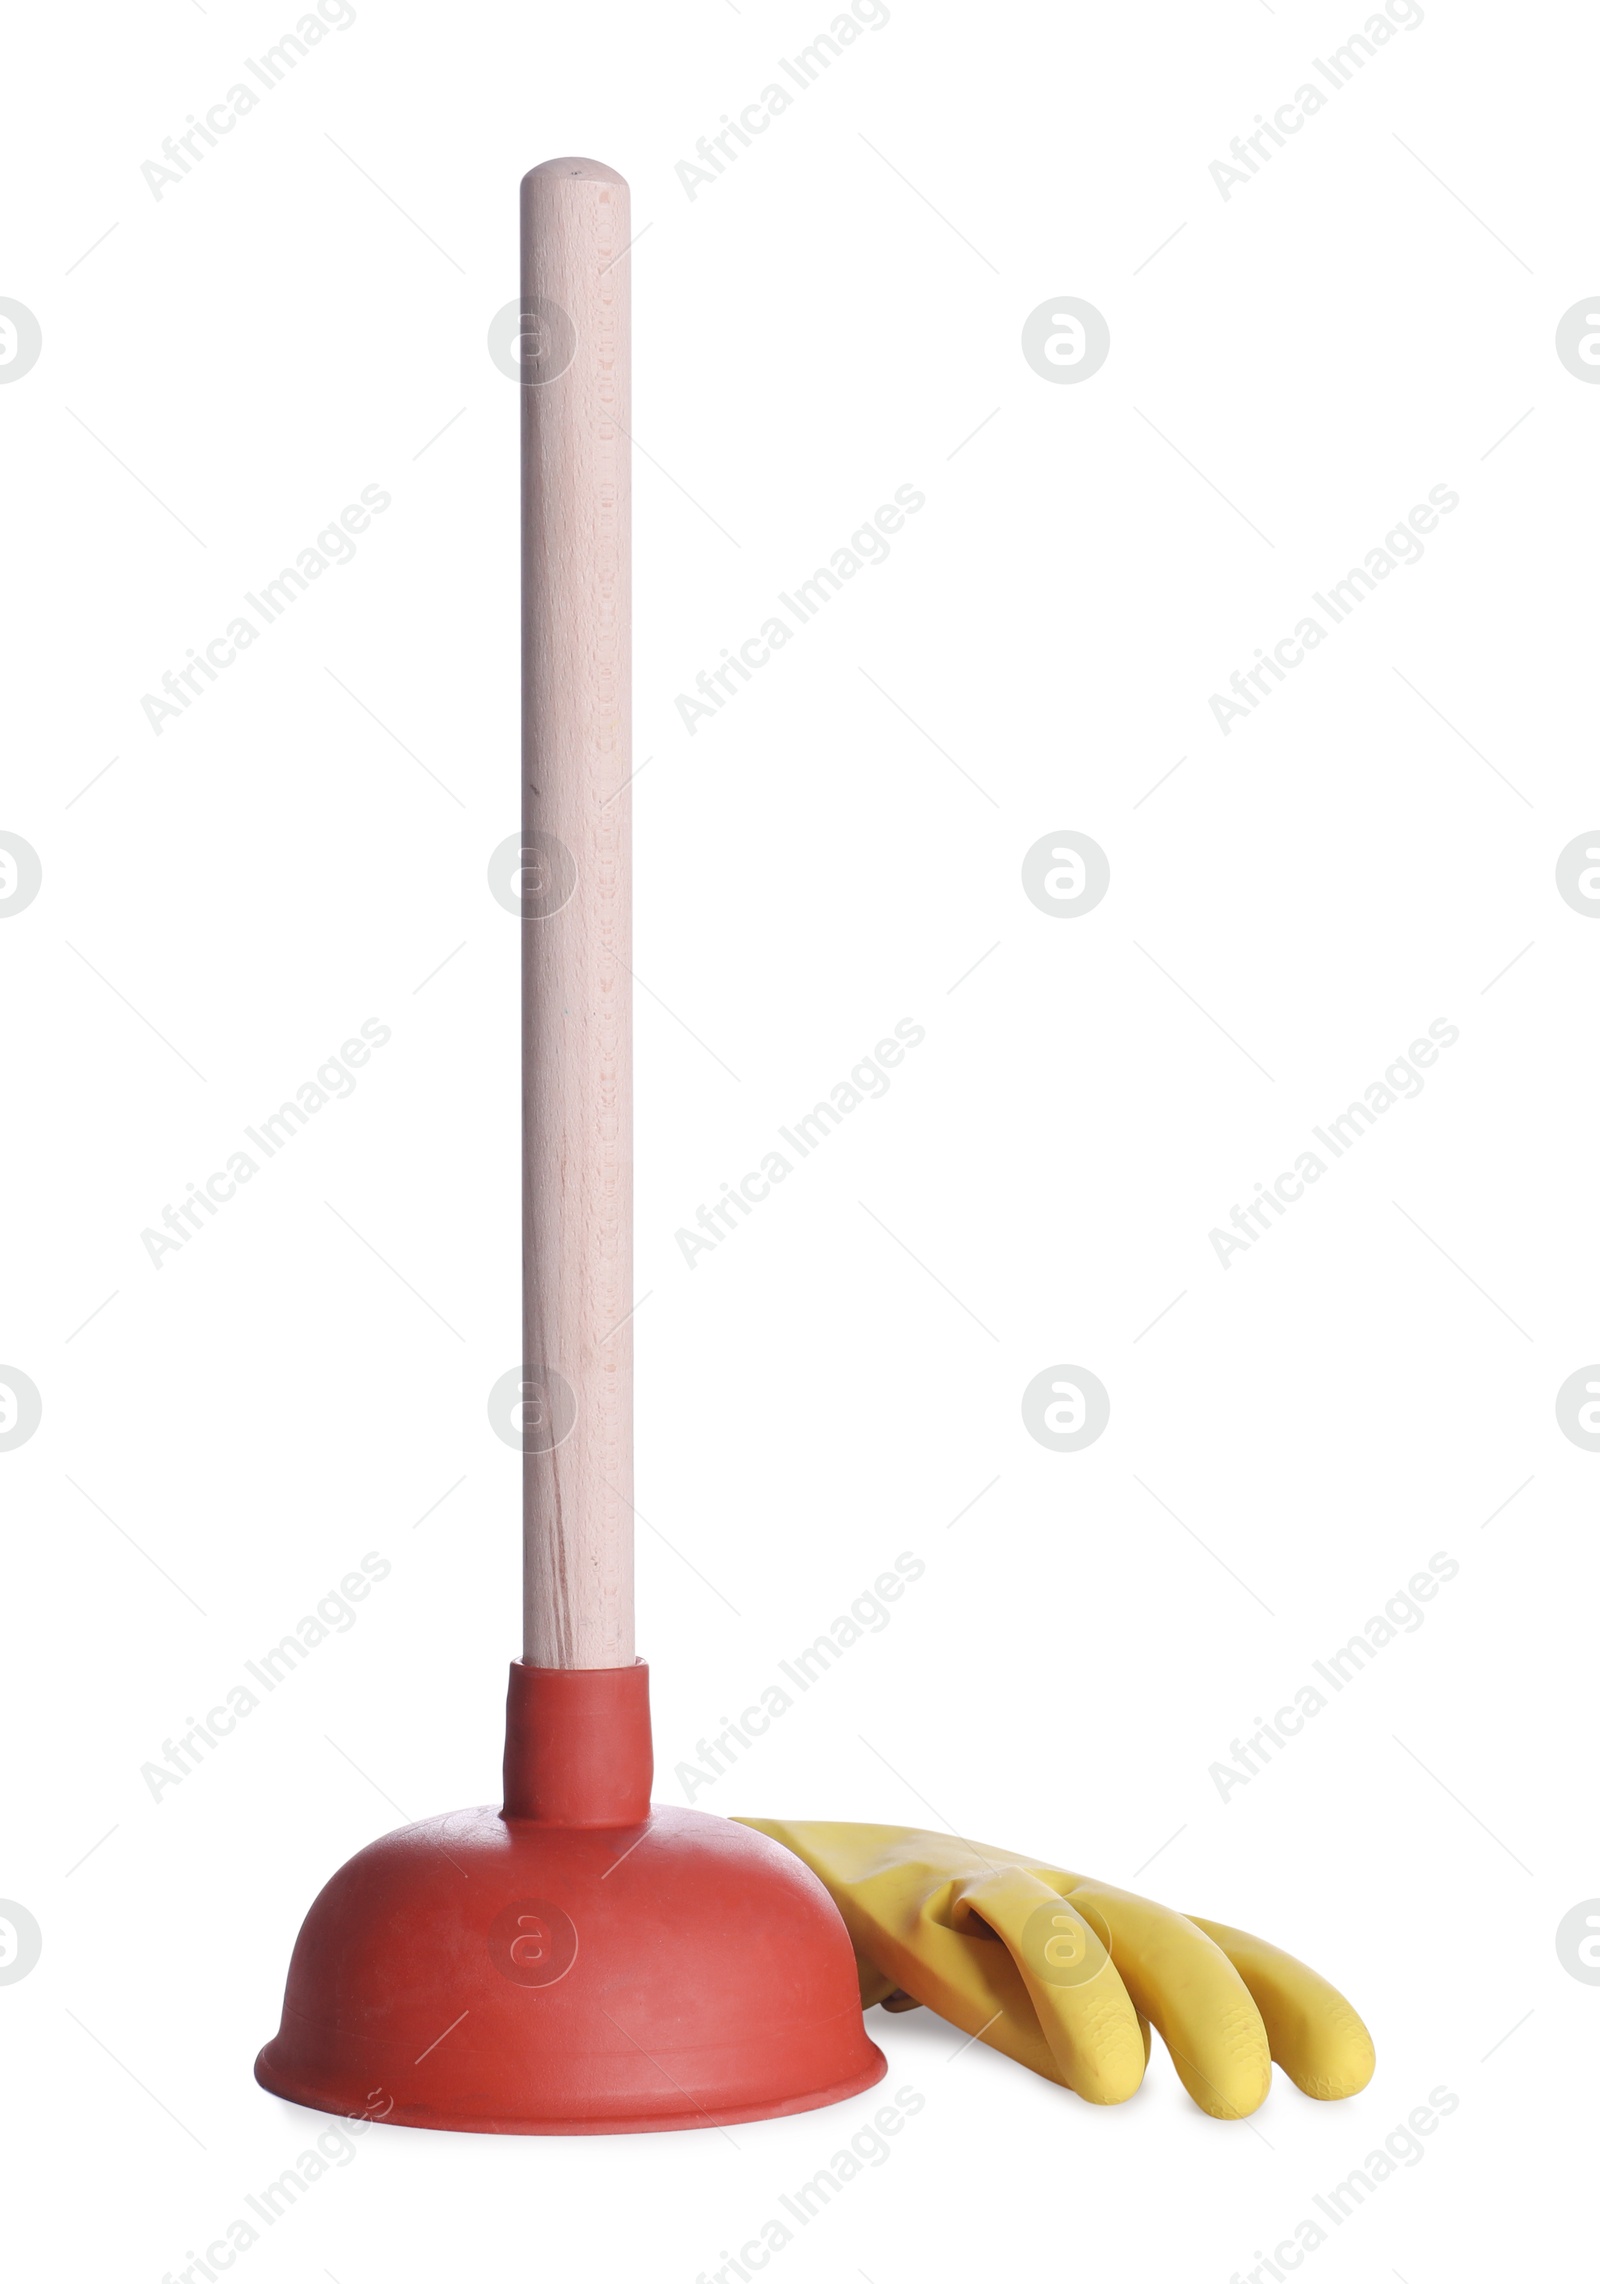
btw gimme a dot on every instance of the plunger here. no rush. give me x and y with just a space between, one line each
574 1961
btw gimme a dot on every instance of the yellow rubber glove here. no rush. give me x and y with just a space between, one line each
1066 1975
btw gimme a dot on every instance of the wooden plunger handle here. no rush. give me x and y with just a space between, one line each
577 1020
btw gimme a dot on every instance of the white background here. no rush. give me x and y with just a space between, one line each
1369 1385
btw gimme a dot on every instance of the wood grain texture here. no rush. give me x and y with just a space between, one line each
577 1037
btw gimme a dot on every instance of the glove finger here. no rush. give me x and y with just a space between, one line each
1192 1992
1086 2015
1315 2034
